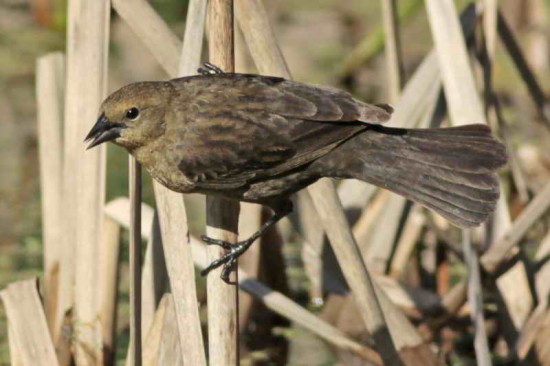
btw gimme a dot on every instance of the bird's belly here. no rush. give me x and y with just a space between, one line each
278 186
169 175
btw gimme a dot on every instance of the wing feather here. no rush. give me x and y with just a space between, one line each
233 129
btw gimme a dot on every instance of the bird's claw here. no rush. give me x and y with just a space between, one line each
226 271
228 260
209 69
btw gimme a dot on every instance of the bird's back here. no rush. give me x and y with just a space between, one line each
228 131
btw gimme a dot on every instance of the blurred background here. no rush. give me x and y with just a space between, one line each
330 42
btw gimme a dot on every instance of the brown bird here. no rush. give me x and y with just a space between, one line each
260 139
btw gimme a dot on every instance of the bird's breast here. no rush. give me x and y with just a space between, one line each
161 163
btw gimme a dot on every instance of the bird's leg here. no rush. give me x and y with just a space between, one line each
281 209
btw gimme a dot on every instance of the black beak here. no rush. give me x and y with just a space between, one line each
103 130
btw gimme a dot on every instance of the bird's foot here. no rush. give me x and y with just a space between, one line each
228 260
209 69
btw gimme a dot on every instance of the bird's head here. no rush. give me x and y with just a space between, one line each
132 116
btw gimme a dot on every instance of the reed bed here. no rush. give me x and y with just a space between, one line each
366 253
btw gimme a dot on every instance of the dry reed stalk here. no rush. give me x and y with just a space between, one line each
154 275
498 252
519 177
175 239
475 299
383 241
71 144
268 58
530 330
84 175
250 217
165 46
276 301
50 85
284 306
542 284
161 347
515 290
512 46
108 282
407 241
394 57
116 210
15 354
414 301
29 334
490 16
355 194
250 220
363 228
306 222
222 214
152 31
151 344
538 51
458 82
513 285
373 43
134 171
541 340
191 50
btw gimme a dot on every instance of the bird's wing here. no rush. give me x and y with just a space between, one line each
228 151
324 104
233 129
288 98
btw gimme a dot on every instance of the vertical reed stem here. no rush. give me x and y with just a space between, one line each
394 59
84 177
475 299
222 214
135 260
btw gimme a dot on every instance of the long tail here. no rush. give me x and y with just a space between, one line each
450 170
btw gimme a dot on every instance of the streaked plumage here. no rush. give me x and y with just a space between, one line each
259 139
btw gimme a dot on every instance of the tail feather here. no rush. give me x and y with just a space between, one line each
450 170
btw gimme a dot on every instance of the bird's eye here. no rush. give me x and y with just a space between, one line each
132 113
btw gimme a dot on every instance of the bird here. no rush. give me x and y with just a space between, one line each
260 139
